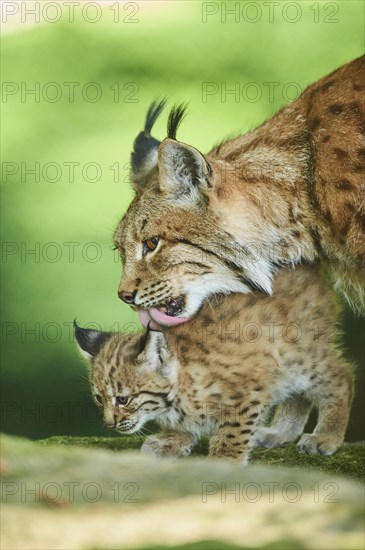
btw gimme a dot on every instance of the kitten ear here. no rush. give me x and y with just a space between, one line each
183 170
145 147
89 340
154 351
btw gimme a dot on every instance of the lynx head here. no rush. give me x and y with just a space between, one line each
131 376
177 238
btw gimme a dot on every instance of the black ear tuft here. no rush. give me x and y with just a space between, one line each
90 340
154 111
145 147
176 116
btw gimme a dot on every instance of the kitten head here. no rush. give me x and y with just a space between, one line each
131 376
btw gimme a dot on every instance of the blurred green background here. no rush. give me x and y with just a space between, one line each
93 79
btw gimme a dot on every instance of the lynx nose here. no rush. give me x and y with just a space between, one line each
112 425
127 297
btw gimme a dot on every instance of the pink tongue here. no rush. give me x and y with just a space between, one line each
159 318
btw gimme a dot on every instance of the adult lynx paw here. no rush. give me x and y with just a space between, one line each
167 445
269 437
318 444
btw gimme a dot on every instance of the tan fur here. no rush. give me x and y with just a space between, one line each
219 373
291 190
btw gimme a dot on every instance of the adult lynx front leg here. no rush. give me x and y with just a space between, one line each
234 436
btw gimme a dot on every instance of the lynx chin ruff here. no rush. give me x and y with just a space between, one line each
221 372
290 191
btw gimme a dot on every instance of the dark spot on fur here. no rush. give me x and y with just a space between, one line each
182 338
325 138
220 192
237 395
315 123
336 109
340 153
231 424
358 88
327 85
250 301
234 155
216 395
344 185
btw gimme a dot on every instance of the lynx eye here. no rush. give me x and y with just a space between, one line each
121 400
98 399
149 245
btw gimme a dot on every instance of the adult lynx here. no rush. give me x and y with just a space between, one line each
292 190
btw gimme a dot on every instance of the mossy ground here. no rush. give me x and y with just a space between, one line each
349 461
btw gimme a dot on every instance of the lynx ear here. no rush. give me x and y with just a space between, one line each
89 341
154 351
145 147
183 170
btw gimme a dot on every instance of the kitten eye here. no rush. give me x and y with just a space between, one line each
121 400
98 399
150 244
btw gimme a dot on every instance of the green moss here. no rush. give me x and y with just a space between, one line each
348 461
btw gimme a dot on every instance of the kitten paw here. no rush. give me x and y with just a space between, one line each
318 444
167 445
270 438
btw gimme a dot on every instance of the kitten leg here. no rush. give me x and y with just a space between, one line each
333 393
234 435
288 423
171 444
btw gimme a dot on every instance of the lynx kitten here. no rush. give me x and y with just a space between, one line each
220 373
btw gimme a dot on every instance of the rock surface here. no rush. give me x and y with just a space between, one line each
99 493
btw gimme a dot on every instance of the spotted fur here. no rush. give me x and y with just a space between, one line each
292 190
221 372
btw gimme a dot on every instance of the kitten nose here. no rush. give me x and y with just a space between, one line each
127 297
112 425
